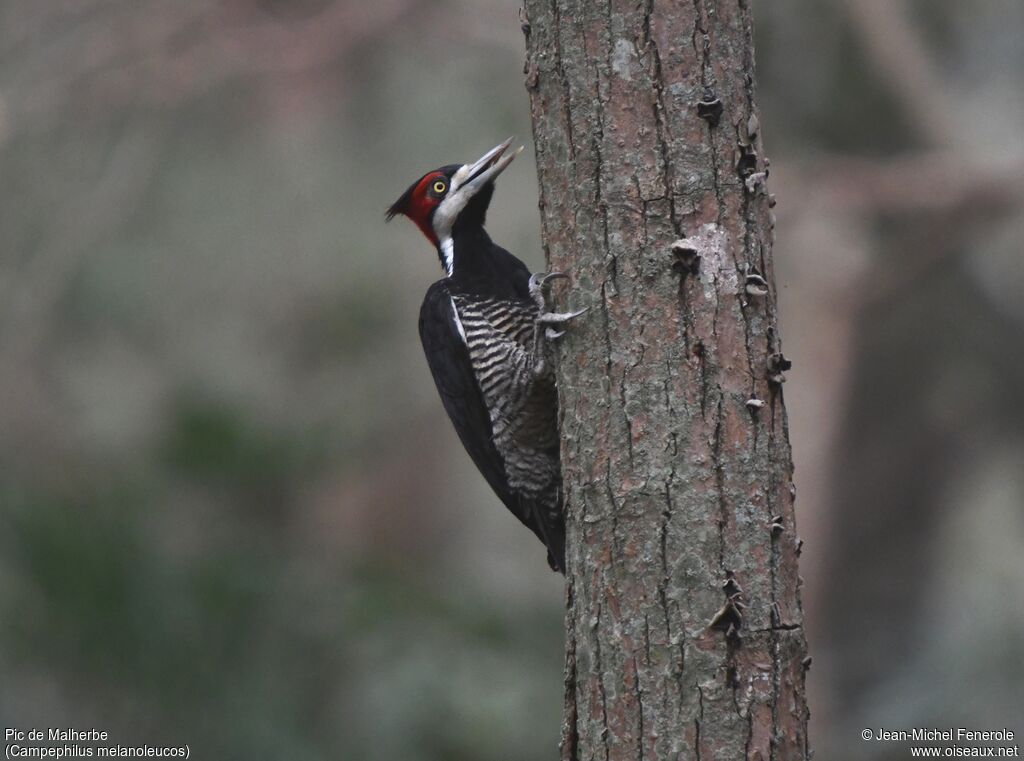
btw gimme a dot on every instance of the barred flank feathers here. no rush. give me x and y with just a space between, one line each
499 337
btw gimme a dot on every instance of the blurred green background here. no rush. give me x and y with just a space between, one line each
232 512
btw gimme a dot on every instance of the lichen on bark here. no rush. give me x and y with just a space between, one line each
683 621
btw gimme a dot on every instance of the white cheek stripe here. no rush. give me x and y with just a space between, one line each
448 254
448 210
458 322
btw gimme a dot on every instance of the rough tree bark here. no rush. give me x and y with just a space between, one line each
684 625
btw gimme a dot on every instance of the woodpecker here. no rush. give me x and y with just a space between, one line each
485 329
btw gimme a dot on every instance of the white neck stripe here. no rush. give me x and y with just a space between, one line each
448 255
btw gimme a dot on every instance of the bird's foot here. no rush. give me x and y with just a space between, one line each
540 290
544 330
540 287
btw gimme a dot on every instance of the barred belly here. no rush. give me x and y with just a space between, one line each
499 336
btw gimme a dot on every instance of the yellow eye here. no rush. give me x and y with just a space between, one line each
439 187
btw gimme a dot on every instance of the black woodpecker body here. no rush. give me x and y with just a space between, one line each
485 328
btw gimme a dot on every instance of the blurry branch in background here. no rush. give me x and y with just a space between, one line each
277 44
157 55
934 182
945 186
903 61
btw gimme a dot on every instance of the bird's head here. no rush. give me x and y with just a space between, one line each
454 196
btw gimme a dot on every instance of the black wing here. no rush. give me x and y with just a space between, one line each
450 365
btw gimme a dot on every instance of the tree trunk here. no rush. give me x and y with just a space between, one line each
684 627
